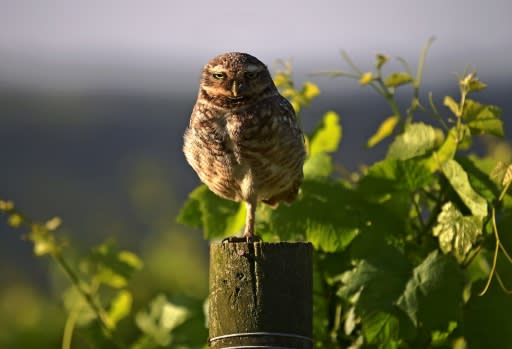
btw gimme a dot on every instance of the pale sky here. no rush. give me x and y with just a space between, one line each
162 44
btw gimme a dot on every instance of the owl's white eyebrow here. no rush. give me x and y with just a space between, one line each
218 69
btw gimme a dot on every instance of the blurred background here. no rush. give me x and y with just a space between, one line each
95 96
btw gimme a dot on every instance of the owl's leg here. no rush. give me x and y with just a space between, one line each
250 217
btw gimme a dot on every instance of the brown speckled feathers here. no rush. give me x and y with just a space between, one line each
243 139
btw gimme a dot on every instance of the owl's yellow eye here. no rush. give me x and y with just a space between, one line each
251 75
219 76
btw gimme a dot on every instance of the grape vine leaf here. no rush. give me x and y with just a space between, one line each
457 233
483 118
418 139
433 295
318 165
217 216
397 79
161 319
111 266
385 129
459 181
327 136
487 319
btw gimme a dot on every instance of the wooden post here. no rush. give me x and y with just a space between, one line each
260 295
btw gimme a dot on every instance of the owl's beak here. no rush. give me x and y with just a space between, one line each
234 89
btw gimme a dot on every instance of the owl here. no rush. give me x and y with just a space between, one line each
243 140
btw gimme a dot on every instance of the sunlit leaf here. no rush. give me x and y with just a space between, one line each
445 152
418 139
108 265
53 223
392 175
310 90
382 329
397 79
459 181
452 105
120 307
6 206
318 165
327 136
173 315
502 173
478 170
476 85
366 78
457 233
483 118
471 83
15 220
433 295
385 129
150 322
312 216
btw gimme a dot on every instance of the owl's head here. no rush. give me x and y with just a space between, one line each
235 78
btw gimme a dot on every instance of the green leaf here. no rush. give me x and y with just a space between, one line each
217 216
502 173
445 152
161 319
53 224
314 218
412 175
380 60
327 136
476 85
310 91
389 175
15 220
452 105
382 329
75 304
483 118
433 296
366 78
120 308
397 79
385 129
457 233
459 181
6 205
110 266
478 172
373 285
417 140
318 165
487 318
471 83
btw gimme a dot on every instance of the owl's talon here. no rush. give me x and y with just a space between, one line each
235 239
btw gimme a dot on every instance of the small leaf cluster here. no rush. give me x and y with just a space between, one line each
406 249
98 301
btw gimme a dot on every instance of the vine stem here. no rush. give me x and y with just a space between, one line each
495 256
69 327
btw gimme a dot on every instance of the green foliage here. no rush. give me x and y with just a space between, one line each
98 301
394 241
408 251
